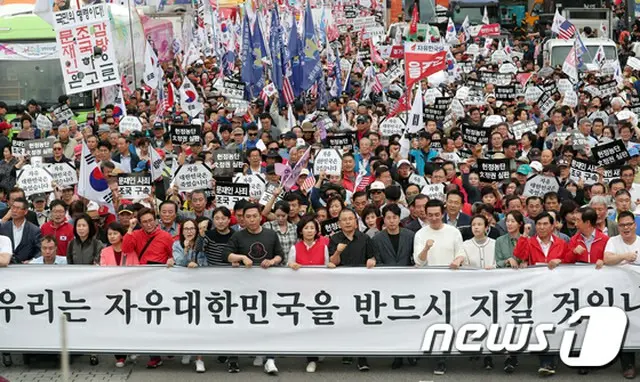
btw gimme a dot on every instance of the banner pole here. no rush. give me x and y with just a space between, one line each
64 356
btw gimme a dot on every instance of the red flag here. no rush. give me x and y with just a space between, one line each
413 27
421 64
125 87
375 55
347 44
402 105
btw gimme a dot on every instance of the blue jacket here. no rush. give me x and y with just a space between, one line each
420 158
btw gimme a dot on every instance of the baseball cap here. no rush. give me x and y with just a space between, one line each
271 169
178 118
403 161
305 172
307 126
634 151
104 129
4 126
125 208
237 130
197 122
377 185
524 169
290 135
562 162
537 166
158 126
38 198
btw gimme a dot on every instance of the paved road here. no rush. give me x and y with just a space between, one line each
293 369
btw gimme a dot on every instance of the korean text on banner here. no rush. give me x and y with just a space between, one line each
311 311
423 60
85 43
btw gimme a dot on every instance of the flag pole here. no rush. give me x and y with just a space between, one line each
133 53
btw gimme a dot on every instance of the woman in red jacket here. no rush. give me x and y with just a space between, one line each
311 249
544 247
113 254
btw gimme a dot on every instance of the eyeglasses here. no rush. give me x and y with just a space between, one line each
253 135
625 225
57 149
187 229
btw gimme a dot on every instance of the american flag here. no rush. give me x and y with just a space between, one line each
377 85
287 91
163 103
566 30
309 182
264 97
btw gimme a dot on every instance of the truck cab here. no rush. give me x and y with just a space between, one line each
556 50
474 9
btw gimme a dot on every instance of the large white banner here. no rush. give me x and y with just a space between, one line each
382 311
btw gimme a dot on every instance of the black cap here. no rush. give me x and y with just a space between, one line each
178 118
158 125
290 135
271 169
125 208
137 134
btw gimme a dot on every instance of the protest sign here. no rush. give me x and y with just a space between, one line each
600 114
564 85
493 170
546 103
185 134
498 79
434 191
130 124
505 93
233 89
256 182
422 60
269 190
608 88
493 120
88 59
570 99
328 160
614 152
473 135
329 227
583 170
134 186
44 123
418 180
340 141
228 193
18 147
226 163
34 180
532 93
63 113
63 174
39 148
610 174
391 126
190 177
519 128
538 185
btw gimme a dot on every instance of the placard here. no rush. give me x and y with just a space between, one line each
600 114
329 227
546 103
391 126
610 153
564 85
63 114
256 182
130 124
494 170
44 123
498 79
185 134
39 148
474 135
610 174
341 141
134 186
34 180
18 147
228 193
233 89
539 185
269 190
434 191
227 162
532 93
608 89
190 177
520 128
86 46
583 170
328 160
570 99
63 174
505 93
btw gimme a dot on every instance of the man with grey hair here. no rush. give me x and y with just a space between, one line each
68 143
584 125
600 204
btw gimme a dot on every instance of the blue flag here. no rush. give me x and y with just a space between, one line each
323 98
295 49
277 48
337 71
259 52
246 54
311 67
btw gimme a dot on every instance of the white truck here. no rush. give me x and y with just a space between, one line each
555 51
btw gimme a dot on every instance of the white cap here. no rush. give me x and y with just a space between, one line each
196 121
377 185
403 161
536 166
93 206
304 172
199 62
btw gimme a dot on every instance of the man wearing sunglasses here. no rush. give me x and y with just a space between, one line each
252 136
